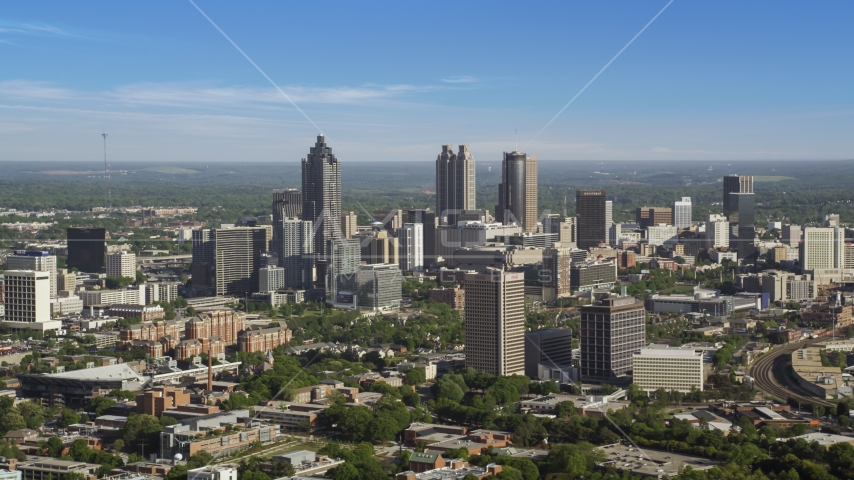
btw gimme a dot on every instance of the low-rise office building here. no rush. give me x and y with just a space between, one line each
679 369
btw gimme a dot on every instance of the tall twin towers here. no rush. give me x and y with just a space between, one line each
456 189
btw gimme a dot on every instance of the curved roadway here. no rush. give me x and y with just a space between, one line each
772 366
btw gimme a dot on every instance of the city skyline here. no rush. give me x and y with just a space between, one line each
770 85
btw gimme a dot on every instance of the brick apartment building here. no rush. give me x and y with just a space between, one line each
263 339
224 324
152 331
157 400
193 347
455 297
146 313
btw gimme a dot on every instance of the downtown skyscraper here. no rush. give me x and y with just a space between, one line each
740 210
455 183
517 192
321 199
495 322
590 208
287 203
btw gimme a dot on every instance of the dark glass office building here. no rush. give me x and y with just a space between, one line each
590 210
86 249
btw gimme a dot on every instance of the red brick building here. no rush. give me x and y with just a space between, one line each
224 324
194 347
146 313
455 297
154 349
263 339
156 400
627 259
152 331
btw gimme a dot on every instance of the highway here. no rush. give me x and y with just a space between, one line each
772 366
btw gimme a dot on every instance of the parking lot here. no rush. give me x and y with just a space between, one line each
652 462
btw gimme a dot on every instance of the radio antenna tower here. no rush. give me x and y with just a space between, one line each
107 175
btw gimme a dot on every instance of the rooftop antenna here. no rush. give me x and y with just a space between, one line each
107 175
564 205
517 139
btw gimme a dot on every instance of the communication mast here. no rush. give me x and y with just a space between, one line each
107 175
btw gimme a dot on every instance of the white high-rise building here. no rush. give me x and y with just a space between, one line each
297 252
717 231
615 234
270 278
129 296
823 248
682 213
121 264
37 261
609 214
160 292
678 369
662 235
495 322
27 301
411 241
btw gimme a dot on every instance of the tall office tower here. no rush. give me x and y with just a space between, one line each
615 235
739 208
495 322
35 260
552 347
237 259
611 332
380 286
287 203
411 240
202 267
427 218
717 231
27 298
321 199
348 224
792 234
648 216
391 220
731 184
831 220
590 211
555 272
511 190
343 256
297 253
682 213
564 227
531 194
455 183
609 214
378 246
86 249
65 280
662 235
568 231
823 248
270 278
121 264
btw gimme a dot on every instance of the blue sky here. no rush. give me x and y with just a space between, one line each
394 81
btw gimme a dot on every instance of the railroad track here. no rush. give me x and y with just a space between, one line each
763 373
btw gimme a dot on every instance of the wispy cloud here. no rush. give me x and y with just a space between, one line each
457 79
203 96
25 89
24 28
670 151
